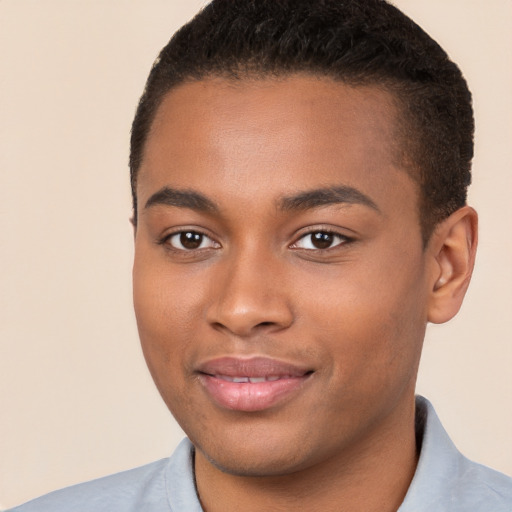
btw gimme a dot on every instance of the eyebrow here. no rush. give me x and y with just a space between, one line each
302 201
181 199
326 196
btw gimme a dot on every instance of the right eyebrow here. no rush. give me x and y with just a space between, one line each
182 199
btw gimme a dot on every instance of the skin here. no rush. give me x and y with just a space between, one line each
353 313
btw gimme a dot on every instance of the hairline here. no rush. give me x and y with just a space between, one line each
404 145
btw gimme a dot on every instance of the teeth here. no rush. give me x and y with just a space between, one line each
240 379
252 380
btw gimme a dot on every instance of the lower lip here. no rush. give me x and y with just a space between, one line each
251 397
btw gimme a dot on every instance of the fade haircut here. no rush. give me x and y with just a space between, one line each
355 42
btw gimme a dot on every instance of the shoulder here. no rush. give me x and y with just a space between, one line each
445 480
161 486
123 491
481 488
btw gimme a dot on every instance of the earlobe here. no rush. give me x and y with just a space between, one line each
453 249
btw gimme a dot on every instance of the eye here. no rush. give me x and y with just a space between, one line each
190 241
320 240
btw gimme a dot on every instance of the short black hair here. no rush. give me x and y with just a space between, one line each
356 42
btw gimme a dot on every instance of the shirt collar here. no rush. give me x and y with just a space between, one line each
430 489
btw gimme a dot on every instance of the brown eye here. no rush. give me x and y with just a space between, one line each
190 240
320 240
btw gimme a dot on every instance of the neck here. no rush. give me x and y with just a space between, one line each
373 475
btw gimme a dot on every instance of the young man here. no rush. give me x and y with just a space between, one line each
299 173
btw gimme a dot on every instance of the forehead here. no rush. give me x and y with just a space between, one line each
297 132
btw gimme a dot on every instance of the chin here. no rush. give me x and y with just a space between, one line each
251 453
247 465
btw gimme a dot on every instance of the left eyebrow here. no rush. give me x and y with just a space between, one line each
326 196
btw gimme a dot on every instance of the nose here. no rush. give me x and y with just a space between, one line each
250 296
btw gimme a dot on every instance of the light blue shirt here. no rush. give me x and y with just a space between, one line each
445 481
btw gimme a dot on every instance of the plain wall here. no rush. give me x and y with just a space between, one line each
76 400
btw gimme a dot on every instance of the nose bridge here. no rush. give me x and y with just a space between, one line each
250 294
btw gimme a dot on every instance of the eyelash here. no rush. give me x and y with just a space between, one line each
195 234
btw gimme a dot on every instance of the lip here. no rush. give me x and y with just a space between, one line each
251 384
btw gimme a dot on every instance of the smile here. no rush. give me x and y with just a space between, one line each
251 385
253 380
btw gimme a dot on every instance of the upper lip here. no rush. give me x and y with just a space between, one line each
252 367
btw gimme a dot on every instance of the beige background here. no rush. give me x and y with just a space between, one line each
76 400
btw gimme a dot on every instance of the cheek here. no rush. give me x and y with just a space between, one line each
165 301
166 308
157 322
370 322
159 314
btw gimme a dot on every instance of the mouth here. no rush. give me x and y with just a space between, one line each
252 380
253 384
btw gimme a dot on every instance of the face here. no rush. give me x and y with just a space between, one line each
280 283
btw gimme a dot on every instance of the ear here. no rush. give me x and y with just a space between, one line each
134 225
453 250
